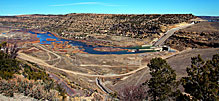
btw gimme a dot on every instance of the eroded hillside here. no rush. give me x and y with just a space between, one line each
202 35
82 25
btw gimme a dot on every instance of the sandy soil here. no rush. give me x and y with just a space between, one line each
17 97
183 60
203 27
178 62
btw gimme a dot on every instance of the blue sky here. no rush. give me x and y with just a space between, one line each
196 7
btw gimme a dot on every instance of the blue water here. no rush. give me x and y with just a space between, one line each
213 20
87 48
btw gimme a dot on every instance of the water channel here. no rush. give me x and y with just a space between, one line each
87 48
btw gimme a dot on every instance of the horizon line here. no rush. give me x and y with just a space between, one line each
100 13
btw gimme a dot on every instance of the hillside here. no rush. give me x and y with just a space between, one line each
50 66
81 25
202 35
23 78
210 18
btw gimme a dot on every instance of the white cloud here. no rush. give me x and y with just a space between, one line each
87 3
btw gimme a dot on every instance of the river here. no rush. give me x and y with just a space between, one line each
82 45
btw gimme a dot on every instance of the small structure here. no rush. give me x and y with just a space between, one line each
157 48
165 48
146 46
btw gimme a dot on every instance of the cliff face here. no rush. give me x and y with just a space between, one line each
202 35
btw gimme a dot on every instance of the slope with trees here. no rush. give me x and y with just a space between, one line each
201 84
163 81
19 77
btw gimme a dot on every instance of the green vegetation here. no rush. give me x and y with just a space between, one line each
36 90
135 26
201 35
163 80
35 65
201 84
35 74
8 67
61 91
39 86
8 64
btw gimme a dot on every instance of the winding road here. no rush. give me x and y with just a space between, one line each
169 33
48 51
43 63
98 81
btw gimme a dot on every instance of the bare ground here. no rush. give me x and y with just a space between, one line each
178 62
183 60
203 27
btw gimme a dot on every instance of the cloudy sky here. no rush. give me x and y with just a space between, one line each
197 7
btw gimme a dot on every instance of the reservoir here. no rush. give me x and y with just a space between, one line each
87 48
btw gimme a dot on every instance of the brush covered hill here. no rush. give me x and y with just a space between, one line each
22 78
201 35
74 26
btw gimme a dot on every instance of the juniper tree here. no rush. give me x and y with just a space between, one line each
202 82
163 80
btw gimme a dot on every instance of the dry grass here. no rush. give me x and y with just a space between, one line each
182 61
203 27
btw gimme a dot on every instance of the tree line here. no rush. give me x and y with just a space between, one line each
201 83
42 87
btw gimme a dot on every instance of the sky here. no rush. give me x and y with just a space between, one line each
196 7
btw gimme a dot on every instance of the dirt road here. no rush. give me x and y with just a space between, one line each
169 33
43 63
178 62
